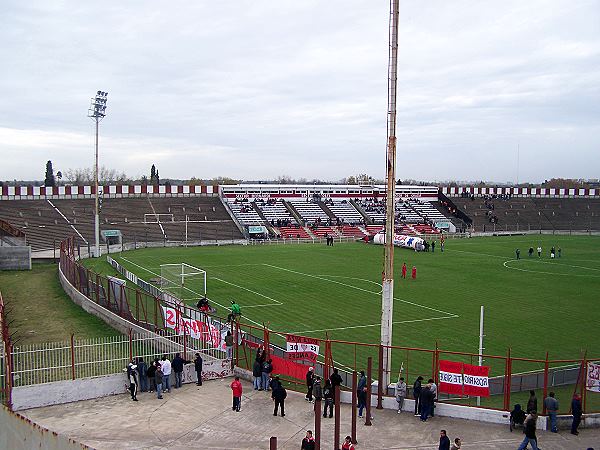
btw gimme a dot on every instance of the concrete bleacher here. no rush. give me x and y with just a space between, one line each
513 214
293 232
405 213
427 211
275 211
46 225
246 214
570 214
374 209
351 231
310 212
346 212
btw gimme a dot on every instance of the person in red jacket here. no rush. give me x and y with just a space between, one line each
414 272
347 445
404 270
236 388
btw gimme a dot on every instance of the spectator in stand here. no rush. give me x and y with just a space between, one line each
362 393
444 441
256 374
158 380
404 270
577 412
143 374
236 390
328 396
166 370
310 379
308 443
267 368
198 369
532 402
177 365
416 391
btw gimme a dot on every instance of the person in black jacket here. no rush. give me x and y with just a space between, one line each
308 443
198 369
530 426
532 402
177 366
426 402
142 369
329 397
577 413
444 441
279 395
310 379
132 378
256 373
416 391
335 378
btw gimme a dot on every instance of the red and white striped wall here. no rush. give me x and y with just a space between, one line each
455 191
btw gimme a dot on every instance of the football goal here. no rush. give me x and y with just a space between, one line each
183 281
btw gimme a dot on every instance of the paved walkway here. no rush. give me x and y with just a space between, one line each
201 417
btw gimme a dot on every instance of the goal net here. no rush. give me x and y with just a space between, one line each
183 281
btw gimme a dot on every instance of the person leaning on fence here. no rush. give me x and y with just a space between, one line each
158 379
229 345
329 397
416 392
551 405
142 369
150 372
132 378
236 311
317 391
532 402
198 369
267 368
361 393
165 365
177 365
256 374
577 412
310 379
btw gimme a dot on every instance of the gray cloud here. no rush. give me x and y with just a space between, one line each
256 89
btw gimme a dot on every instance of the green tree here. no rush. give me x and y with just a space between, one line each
49 180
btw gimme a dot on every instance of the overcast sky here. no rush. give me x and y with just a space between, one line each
258 89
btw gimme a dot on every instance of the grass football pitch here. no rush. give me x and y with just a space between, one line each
532 305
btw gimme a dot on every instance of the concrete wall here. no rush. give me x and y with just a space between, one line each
59 392
19 433
15 258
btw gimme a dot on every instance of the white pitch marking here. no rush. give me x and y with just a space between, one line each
188 289
277 303
359 289
374 325
550 273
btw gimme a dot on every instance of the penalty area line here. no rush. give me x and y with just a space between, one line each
454 316
275 302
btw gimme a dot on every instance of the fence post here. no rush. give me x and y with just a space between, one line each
546 364
184 340
354 393
507 380
381 379
584 381
130 346
72 356
317 424
273 443
369 389
336 427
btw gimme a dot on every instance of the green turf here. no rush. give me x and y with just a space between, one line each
533 306
40 311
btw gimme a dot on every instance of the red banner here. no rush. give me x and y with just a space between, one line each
476 380
289 368
458 378
451 377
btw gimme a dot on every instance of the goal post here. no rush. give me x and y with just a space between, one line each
182 280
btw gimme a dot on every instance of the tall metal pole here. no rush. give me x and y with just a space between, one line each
387 293
97 216
480 345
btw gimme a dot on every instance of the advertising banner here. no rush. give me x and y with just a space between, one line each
458 378
593 377
300 347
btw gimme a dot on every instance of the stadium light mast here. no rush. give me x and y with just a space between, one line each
97 112
387 293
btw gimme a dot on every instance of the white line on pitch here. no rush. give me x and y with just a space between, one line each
189 290
277 303
550 273
374 325
359 289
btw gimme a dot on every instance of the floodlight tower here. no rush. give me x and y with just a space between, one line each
387 292
97 112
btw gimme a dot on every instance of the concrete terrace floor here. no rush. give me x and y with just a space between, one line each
201 417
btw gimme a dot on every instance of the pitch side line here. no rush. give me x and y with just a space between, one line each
193 292
360 289
372 325
275 302
552 273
